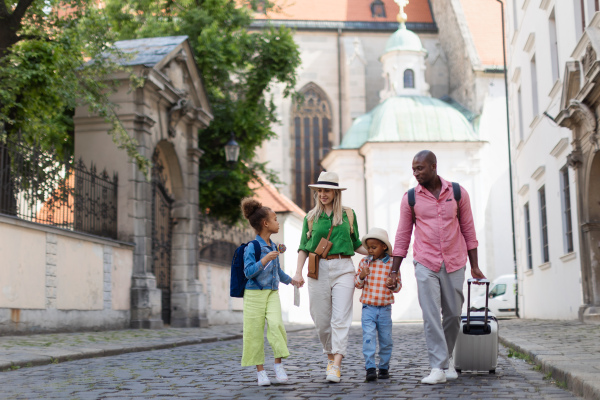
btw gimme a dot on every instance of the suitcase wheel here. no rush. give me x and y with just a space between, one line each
492 371
458 370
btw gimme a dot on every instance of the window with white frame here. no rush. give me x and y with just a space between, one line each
528 236
515 14
592 7
579 11
543 224
534 88
566 209
553 47
520 113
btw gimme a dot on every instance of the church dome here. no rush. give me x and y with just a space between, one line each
409 119
402 40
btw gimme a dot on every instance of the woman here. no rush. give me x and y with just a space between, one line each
331 294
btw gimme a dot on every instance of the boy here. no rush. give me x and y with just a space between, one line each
377 302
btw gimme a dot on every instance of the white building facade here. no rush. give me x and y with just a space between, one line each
553 127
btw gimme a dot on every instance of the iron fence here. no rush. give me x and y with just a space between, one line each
37 186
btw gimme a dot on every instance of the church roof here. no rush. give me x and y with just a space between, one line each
409 119
403 39
269 196
355 14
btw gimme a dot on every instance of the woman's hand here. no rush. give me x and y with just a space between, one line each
298 281
269 257
362 250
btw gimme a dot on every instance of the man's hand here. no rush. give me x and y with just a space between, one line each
364 272
476 273
392 281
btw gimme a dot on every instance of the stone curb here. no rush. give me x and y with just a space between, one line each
581 384
32 359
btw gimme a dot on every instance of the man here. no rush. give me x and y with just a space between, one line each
442 243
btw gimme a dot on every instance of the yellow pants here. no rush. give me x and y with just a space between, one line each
261 305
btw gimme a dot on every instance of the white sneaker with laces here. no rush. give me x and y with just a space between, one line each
263 379
436 376
451 373
334 374
280 374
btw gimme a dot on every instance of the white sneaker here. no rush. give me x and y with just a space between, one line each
334 374
451 373
436 376
263 379
280 374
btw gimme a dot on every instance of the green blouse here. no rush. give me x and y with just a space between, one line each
343 242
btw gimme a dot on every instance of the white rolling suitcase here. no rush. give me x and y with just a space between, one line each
476 347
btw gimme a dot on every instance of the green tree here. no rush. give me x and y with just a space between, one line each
239 67
45 48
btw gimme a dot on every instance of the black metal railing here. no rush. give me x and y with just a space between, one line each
37 186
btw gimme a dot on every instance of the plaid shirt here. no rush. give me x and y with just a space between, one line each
375 293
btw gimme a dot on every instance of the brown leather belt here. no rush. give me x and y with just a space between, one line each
336 256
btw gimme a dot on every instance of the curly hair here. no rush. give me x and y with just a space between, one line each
254 212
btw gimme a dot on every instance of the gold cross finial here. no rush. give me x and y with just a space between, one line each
402 17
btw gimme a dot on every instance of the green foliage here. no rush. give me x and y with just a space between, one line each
239 68
45 72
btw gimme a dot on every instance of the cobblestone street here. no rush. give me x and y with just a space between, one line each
212 371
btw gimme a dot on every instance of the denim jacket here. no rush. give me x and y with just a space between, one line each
268 277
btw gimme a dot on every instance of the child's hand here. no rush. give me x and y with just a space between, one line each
365 271
269 257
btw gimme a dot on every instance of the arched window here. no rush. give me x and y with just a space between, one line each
311 123
409 79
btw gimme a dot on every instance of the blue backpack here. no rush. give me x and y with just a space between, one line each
238 278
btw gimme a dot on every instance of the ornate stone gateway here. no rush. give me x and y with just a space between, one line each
161 234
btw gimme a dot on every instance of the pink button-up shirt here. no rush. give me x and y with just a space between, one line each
439 237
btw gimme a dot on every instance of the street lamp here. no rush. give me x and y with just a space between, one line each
232 150
232 154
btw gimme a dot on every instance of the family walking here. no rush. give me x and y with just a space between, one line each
440 214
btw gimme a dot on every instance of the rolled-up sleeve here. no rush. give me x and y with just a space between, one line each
405 228
467 224
303 238
252 268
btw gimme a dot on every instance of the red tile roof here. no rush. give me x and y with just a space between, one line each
485 23
346 10
268 195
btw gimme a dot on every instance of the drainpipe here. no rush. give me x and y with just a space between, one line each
510 177
339 56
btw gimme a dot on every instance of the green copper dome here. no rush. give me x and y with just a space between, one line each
403 39
409 119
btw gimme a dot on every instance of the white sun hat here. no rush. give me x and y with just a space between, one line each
379 234
327 180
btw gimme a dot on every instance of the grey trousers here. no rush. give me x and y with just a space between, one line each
440 290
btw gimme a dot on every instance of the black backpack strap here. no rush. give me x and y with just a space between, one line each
457 197
411 203
257 256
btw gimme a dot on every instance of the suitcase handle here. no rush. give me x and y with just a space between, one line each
487 293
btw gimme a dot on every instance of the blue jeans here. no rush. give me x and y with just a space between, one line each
377 321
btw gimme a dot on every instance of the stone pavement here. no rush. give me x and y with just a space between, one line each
212 371
40 349
568 350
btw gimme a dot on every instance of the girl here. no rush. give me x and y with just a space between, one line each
331 294
261 296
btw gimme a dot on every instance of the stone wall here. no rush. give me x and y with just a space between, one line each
455 39
56 280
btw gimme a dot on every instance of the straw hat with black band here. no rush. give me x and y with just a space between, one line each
379 234
327 180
